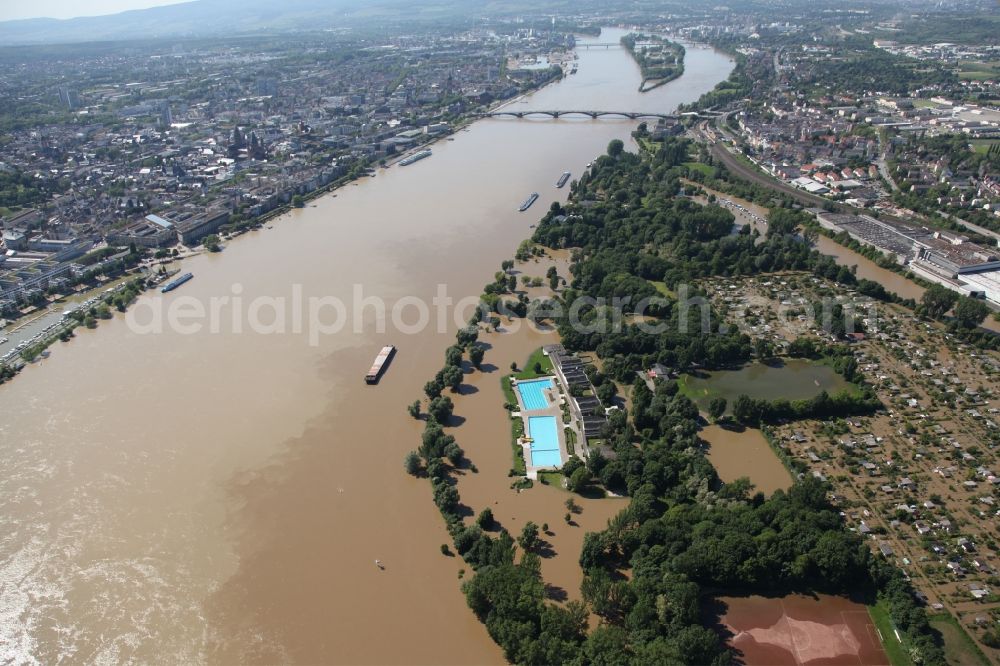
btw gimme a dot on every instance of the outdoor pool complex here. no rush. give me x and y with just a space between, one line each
533 393
544 441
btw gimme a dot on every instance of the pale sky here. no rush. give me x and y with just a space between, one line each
63 9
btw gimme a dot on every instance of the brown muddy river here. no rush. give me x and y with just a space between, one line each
218 491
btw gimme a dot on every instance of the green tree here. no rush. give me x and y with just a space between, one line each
412 463
743 409
763 348
433 388
553 275
803 347
937 300
485 519
476 355
413 409
467 335
579 480
783 221
454 453
529 536
453 356
452 377
441 408
970 312
615 147
447 498
298 201
716 408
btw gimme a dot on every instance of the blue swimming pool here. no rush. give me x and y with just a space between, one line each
533 393
544 441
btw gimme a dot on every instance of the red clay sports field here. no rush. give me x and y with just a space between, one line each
802 631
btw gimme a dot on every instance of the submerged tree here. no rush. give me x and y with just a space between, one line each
412 463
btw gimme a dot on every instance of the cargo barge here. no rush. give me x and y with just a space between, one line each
379 364
173 284
527 202
563 178
415 157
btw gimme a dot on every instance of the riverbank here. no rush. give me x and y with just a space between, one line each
49 326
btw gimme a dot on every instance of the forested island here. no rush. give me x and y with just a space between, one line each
660 60
686 537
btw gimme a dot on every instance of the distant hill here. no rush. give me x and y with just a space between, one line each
203 18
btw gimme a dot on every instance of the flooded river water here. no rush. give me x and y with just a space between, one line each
208 493
739 453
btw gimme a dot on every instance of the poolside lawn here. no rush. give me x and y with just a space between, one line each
508 391
554 479
516 431
528 371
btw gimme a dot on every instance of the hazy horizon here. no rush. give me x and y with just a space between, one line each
68 9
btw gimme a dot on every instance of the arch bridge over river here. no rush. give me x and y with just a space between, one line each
610 45
559 113
633 115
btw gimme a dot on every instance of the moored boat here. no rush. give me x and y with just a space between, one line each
379 364
173 284
414 157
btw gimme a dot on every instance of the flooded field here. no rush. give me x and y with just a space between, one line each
485 436
735 454
792 379
799 630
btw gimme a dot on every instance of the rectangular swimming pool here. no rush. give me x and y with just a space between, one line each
544 441
533 393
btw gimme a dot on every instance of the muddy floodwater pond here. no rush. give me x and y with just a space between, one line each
791 379
736 454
